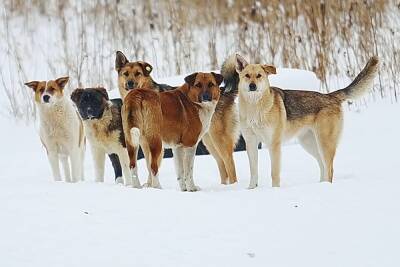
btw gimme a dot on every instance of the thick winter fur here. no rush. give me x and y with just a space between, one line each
272 115
61 130
223 134
176 119
103 126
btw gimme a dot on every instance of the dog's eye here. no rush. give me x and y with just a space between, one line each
50 90
137 74
210 84
198 85
258 76
247 76
126 73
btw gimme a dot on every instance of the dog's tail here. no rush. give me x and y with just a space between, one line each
131 120
362 83
231 77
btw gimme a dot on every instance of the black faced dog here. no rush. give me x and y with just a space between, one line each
103 127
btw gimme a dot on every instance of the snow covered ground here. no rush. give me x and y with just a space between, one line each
352 222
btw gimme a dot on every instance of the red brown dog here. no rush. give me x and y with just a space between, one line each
178 119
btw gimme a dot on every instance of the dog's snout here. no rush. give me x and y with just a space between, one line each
207 96
130 84
46 98
252 87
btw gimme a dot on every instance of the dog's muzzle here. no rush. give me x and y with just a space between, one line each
130 85
252 87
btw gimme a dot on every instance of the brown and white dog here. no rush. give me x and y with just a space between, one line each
178 119
61 130
223 133
272 115
103 127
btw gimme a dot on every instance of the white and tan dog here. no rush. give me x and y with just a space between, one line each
61 130
272 115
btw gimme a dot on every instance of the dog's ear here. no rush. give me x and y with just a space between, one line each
120 61
191 78
146 67
103 92
33 85
62 82
269 69
218 77
76 95
241 63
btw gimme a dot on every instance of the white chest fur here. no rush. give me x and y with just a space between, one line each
59 126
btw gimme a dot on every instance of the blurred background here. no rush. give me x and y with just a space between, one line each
43 40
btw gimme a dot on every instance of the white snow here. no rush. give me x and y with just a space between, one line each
352 222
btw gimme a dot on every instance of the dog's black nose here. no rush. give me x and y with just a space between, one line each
252 87
207 96
46 98
130 84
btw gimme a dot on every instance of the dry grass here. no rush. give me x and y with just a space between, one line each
328 37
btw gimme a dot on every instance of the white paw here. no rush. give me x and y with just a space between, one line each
192 188
252 186
119 180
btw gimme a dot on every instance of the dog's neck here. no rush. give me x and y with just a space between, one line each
257 100
61 106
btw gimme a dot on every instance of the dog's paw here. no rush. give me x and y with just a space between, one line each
119 180
252 186
137 186
193 188
276 184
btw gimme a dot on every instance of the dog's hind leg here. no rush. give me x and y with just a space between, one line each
66 166
155 147
225 150
55 166
214 152
130 180
178 155
328 134
309 143
188 162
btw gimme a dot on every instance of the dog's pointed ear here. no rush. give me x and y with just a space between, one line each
33 85
218 77
191 78
120 61
269 69
62 82
241 63
147 68
76 95
103 92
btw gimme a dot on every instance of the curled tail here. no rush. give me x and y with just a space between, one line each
362 83
231 77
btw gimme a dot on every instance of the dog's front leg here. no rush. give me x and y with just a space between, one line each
275 155
252 153
178 154
66 167
54 164
76 165
188 163
99 160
